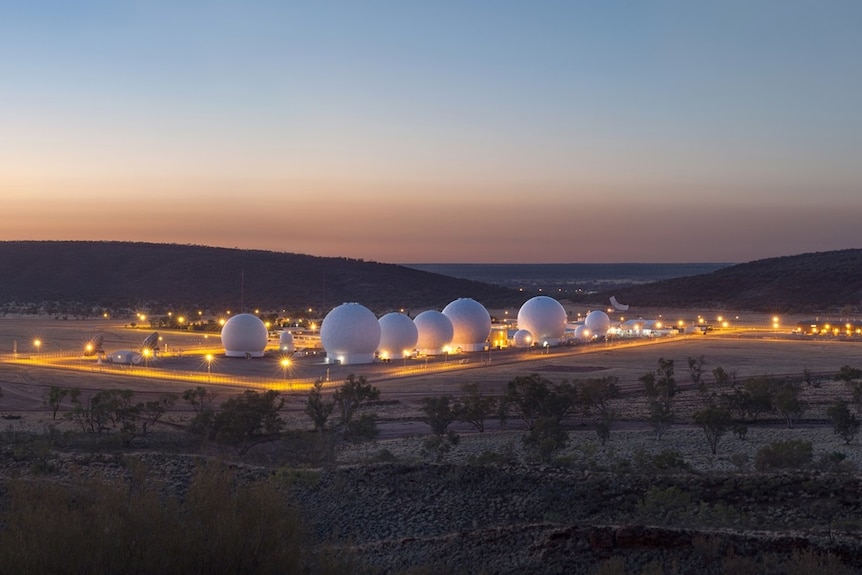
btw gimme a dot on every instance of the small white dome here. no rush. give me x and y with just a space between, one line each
543 317
435 332
598 322
522 338
285 342
350 334
583 333
398 334
471 324
244 335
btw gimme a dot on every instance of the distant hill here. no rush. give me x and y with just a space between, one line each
126 275
806 283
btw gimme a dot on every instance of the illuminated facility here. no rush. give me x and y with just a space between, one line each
351 333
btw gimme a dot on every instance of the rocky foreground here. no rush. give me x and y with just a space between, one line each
635 506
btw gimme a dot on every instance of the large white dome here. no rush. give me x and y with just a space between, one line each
244 335
398 334
471 324
543 317
435 332
598 322
350 334
522 338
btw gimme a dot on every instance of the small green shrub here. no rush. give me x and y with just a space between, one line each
384 456
791 454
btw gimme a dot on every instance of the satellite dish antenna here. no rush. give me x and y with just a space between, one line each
151 342
617 305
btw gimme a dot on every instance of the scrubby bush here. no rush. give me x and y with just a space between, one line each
546 438
791 454
118 527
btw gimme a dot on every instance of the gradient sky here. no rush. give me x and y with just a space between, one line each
437 131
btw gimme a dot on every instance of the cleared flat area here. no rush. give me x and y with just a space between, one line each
748 353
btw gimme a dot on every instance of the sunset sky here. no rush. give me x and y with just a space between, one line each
437 131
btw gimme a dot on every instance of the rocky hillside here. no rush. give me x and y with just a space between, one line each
118 275
805 283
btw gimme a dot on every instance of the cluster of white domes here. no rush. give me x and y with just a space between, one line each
244 335
435 332
398 335
544 318
350 333
471 324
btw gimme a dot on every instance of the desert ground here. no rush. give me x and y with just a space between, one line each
486 505
750 350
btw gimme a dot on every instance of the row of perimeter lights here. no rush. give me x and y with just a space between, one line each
285 364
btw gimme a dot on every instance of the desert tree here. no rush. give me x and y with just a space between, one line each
788 404
439 415
660 389
352 395
317 407
249 419
55 396
715 422
546 438
695 372
151 412
844 423
595 396
202 402
533 396
722 377
473 407
760 392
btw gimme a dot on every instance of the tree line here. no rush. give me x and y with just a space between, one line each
725 404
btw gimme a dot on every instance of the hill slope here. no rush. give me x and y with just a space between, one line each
805 283
119 275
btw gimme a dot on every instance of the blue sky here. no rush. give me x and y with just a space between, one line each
437 131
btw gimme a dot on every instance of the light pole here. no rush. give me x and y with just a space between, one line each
37 343
209 358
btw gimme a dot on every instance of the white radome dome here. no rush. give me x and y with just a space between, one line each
435 332
285 342
598 322
522 338
244 335
350 334
471 324
583 333
543 317
398 334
